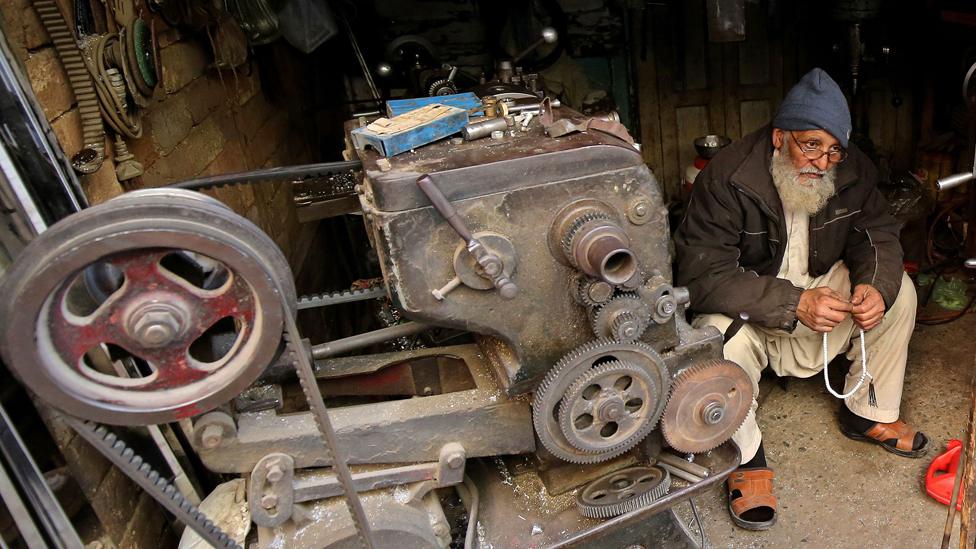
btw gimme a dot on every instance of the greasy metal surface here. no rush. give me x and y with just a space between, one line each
375 433
513 503
622 491
512 187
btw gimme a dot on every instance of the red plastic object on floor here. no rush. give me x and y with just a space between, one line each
942 473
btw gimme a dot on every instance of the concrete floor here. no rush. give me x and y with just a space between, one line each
835 492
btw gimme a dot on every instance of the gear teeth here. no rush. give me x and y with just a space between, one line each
622 304
575 227
432 90
690 372
565 422
541 413
611 510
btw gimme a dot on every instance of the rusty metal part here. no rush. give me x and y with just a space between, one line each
270 490
708 403
324 524
155 315
609 407
268 175
683 464
623 318
662 298
423 477
92 154
597 246
211 429
640 211
623 491
590 292
490 263
457 415
556 392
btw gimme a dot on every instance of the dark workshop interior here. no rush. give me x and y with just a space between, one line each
425 185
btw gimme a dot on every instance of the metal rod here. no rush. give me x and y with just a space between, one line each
359 57
283 173
352 343
681 463
28 531
680 473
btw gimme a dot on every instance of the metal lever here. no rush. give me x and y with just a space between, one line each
491 264
549 35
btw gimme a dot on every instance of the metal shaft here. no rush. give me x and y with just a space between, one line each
968 489
352 343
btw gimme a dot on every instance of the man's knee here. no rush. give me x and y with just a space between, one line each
905 303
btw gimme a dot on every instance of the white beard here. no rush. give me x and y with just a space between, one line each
795 195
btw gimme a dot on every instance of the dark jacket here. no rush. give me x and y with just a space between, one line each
731 242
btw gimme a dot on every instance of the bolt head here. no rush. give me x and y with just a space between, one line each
455 460
274 473
269 501
155 324
212 436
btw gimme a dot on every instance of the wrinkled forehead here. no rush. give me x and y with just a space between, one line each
822 137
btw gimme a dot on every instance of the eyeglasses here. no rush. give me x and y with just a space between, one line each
811 150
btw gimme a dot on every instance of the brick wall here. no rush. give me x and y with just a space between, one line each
200 122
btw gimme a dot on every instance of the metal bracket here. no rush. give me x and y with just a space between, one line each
271 491
447 471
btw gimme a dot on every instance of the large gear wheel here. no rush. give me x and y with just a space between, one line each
553 393
623 491
607 407
624 318
145 309
707 405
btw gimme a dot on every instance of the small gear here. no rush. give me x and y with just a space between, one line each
590 292
575 227
624 318
441 87
623 491
707 406
608 408
549 396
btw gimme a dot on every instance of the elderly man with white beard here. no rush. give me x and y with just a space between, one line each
787 248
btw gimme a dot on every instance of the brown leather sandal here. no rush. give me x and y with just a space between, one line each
897 438
751 500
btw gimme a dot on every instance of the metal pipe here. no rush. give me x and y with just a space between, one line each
968 488
484 128
680 473
359 57
359 341
681 463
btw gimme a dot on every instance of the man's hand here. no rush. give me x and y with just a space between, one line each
820 309
869 307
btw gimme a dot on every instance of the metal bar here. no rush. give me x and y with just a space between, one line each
359 57
282 173
330 207
22 518
317 486
683 464
352 343
680 473
50 514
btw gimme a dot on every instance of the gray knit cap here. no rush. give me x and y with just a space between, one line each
816 103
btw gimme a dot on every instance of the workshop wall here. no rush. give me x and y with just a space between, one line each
200 122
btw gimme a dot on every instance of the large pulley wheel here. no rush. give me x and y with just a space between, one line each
148 308
707 405
600 400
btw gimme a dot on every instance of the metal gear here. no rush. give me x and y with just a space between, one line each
625 318
194 317
590 292
623 491
549 396
608 407
575 227
442 87
707 405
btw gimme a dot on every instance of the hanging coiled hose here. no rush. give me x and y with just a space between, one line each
89 159
102 62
